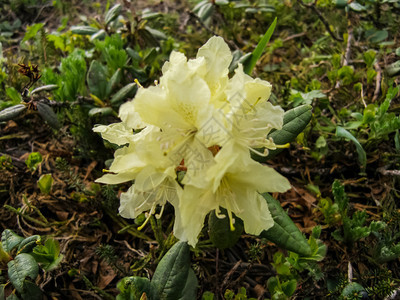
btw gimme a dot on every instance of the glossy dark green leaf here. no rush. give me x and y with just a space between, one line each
28 244
294 122
100 111
31 291
23 266
49 87
97 79
47 113
220 232
84 30
113 13
284 233
190 289
123 93
113 82
12 112
10 240
172 273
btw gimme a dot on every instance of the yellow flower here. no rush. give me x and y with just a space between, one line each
235 181
200 121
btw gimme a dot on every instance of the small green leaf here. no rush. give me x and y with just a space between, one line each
28 244
123 93
369 57
284 233
12 112
10 240
376 36
31 31
351 288
289 287
23 266
33 160
47 113
133 288
101 111
97 79
114 81
49 87
84 30
113 13
357 7
44 183
48 255
362 156
256 54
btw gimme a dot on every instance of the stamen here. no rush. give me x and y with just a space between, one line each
148 216
158 216
138 83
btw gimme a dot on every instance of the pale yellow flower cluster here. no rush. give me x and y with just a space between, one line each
198 122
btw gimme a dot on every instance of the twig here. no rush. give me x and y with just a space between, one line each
377 81
349 38
346 57
323 20
293 36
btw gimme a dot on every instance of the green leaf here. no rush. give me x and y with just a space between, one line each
49 87
47 113
289 287
284 233
48 255
12 112
220 232
97 79
23 266
31 291
362 156
204 10
351 288
12 297
340 197
44 183
376 36
133 288
357 7
31 31
28 244
123 93
114 81
14 95
10 240
207 296
113 13
294 122
190 289
84 30
102 111
256 54
369 57
172 273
